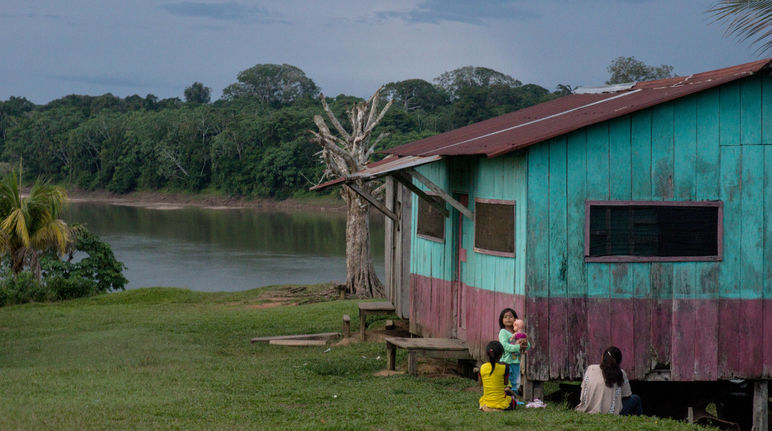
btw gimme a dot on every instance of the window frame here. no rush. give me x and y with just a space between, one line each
418 215
481 250
626 258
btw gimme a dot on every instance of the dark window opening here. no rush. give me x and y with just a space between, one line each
651 231
431 222
494 227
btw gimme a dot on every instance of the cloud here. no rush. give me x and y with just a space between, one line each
230 11
468 12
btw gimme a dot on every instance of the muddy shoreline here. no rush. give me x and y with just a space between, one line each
170 201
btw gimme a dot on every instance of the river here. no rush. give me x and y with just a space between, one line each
224 249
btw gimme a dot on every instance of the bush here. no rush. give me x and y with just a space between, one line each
69 288
22 288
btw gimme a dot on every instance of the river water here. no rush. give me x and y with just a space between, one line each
224 249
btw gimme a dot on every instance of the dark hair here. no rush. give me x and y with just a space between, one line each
494 350
609 366
501 316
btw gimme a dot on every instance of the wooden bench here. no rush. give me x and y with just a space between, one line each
368 308
446 348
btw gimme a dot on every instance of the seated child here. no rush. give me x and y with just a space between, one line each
494 377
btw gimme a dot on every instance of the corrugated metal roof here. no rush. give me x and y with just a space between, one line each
538 123
381 168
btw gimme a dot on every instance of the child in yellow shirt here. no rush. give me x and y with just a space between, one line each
494 377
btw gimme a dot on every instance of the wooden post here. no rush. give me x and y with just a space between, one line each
346 326
412 363
533 389
760 405
362 324
391 356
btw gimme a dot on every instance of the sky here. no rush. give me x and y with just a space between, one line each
53 48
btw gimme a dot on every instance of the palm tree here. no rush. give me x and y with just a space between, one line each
31 225
746 19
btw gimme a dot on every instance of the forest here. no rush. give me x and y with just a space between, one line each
252 142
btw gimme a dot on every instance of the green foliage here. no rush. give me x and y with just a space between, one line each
197 93
98 272
272 84
253 142
630 69
22 288
746 19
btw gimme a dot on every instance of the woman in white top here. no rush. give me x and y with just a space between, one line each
605 388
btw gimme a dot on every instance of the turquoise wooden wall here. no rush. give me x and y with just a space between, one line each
499 178
714 145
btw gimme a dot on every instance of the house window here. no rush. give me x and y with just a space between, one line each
494 227
621 231
431 222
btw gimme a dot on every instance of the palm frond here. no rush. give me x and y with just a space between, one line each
15 225
53 235
746 19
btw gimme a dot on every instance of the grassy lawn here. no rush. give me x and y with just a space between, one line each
172 359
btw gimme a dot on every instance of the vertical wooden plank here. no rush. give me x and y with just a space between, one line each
684 322
685 147
640 128
707 161
521 225
662 154
621 309
752 260
661 311
683 330
706 185
558 312
729 113
641 274
729 270
750 110
621 294
620 154
537 256
598 274
576 272
662 172
641 188
767 293
766 110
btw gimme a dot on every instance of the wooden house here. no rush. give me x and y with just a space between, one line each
636 215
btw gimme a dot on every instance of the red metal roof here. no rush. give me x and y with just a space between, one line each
538 123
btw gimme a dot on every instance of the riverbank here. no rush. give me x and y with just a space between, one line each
174 359
168 201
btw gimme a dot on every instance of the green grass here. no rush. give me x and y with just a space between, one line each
172 359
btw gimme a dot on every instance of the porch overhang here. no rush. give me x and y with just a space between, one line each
401 169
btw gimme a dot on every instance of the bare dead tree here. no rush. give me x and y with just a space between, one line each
343 155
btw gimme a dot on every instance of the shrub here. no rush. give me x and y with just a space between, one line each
68 288
21 288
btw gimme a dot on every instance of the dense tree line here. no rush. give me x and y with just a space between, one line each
253 142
